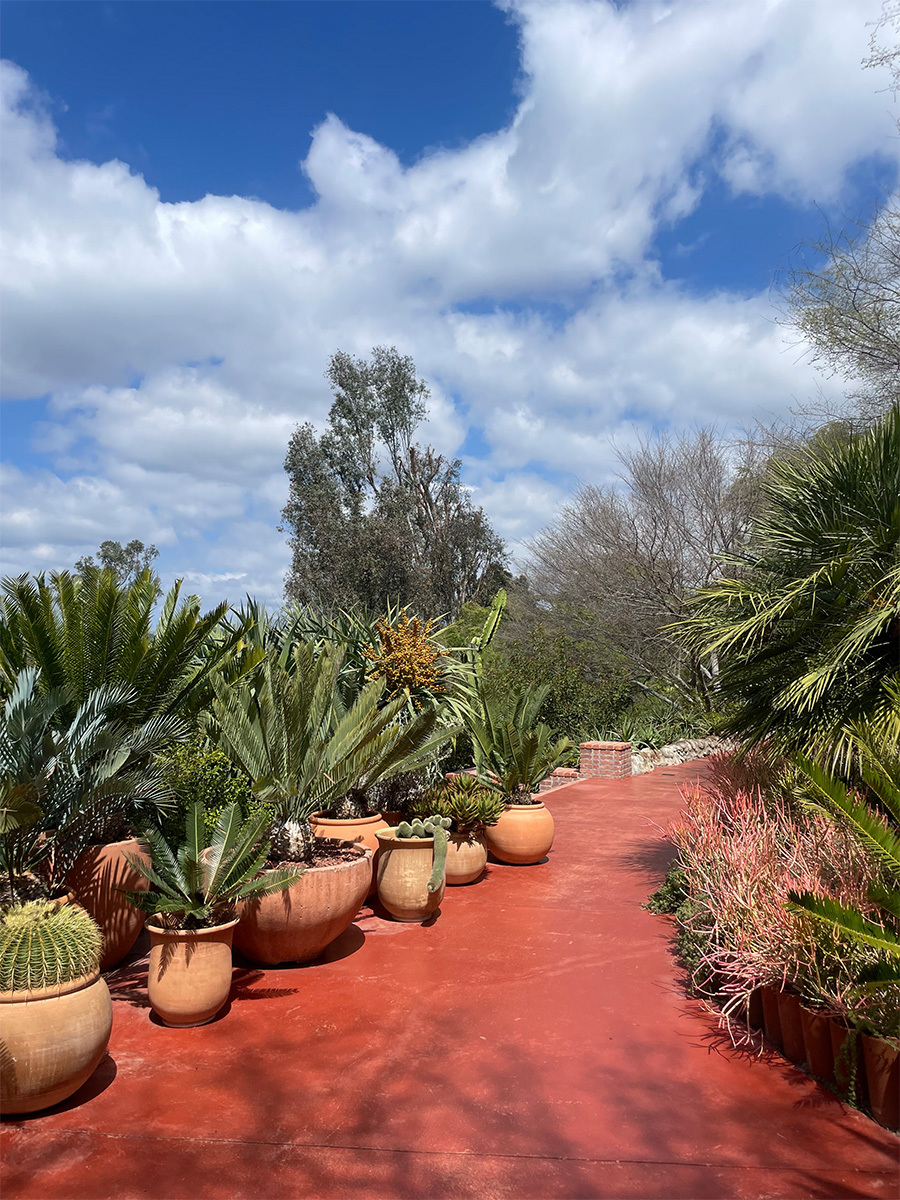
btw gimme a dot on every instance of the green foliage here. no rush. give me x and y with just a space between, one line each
806 633
465 801
671 894
514 755
127 562
90 631
43 944
580 698
197 772
198 883
435 827
304 750
653 723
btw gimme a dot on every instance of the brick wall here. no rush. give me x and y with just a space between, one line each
608 760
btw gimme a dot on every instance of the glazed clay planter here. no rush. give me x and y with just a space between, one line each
297 924
361 832
404 868
97 878
523 834
466 858
53 1040
771 1021
816 1027
190 973
882 1061
791 1028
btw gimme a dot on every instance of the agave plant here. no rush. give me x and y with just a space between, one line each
196 885
88 631
878 833
65 785
515 755
466 801
806 632
305 751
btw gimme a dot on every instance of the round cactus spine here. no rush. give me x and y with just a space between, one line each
43 944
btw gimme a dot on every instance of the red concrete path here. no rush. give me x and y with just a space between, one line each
532 1042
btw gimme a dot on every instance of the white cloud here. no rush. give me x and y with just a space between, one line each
626 114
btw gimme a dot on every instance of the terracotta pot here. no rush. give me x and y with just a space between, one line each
404 869
755 1018
847 1062
466 858
297 924
816 1027
53 1041
882 1062
361 832
190 973
523 834
791 1029
97 879
771 1019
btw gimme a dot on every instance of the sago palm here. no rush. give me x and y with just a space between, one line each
514 755
304 750
806 632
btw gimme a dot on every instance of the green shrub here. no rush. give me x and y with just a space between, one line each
202 774
671 894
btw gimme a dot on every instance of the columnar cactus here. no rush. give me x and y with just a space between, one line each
431 827
43 944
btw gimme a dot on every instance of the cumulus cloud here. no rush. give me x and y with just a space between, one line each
180 342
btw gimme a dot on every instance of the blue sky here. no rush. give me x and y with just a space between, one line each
570 214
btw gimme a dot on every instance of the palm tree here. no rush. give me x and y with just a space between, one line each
515 755
87 631
806 633
305 750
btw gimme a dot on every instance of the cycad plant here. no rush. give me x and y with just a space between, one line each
66 784
305 751
806 632
514 755
195 885
88 631
877 829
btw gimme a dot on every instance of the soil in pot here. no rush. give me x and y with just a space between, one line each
54 1039
882 1062
97 879
190 972
466 858
297 924
791 1028
523 834
404 869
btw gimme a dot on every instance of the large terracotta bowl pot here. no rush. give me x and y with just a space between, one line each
466 858
97 879
52 1040
404 868
523 834
297 924
190 972
360 831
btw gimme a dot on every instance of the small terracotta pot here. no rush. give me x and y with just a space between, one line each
816 1028
297 924
523 834
882 1061
466 858
755 1018
404 869
771 1020
97 878
361 832
190 973
791 1029
53 1040
845 1061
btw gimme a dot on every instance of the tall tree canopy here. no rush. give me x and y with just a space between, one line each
374 517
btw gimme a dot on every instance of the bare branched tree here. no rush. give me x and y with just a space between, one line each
624 558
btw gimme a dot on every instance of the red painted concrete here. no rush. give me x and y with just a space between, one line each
532 1042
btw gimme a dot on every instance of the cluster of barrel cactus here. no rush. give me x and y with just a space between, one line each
45 944
430 827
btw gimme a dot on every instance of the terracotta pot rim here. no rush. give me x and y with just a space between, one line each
321 819
527 807
51 992
185 934
389 838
